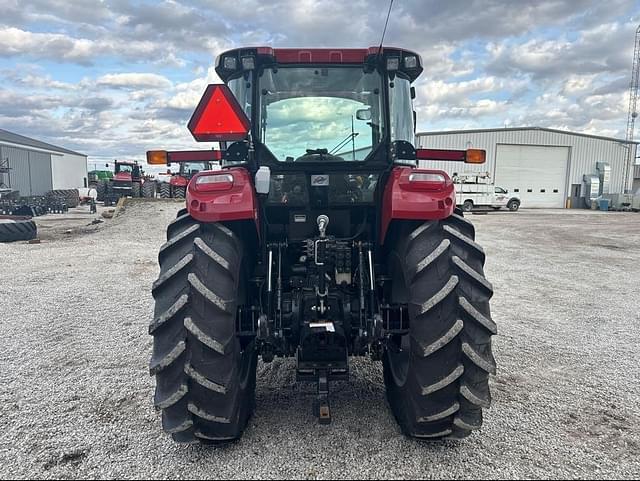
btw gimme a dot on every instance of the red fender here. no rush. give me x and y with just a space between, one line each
229 201
178 181
404 199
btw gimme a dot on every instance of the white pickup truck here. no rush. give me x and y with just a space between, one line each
478 191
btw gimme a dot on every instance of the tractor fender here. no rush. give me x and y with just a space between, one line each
178 181
236 201
405 200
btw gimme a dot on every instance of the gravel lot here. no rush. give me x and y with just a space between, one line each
75 395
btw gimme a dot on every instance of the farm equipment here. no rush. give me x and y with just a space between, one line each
98 180
174 186
128 181
319 240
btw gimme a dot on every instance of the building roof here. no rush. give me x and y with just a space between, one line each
514 129
6 136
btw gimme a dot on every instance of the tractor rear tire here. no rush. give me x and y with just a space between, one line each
205 375
179 192
17 230
149 189
136 190
101 189
165 191
437 376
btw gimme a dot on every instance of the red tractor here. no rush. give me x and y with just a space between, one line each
128 181
175 187
319 239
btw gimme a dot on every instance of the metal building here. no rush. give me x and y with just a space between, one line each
34 168
636 179
545 167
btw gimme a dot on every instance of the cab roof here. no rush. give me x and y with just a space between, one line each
350 56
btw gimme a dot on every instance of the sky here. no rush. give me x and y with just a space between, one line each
113 78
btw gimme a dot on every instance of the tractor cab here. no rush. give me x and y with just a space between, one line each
125 170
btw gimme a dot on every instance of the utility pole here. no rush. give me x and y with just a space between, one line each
633 109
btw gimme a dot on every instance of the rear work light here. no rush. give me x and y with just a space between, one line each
248 63
410 62
214 182
393 63
230 63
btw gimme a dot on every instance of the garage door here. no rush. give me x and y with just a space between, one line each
537 174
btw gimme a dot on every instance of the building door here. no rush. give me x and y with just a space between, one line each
538 174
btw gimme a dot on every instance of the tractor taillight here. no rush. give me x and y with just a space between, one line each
214 182
425 180
427 177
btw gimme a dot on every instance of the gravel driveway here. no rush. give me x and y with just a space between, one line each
75 394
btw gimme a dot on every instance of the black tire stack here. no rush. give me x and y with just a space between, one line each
17 230
205 377
437 376
69 197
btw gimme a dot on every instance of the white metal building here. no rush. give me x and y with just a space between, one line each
544 166
34 167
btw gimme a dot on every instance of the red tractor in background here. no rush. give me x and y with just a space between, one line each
319 239
128 181
174 186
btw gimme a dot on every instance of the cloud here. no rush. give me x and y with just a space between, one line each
607 48
114 77
134 81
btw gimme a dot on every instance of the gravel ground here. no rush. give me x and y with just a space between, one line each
75 395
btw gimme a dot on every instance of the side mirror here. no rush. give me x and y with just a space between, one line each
413 93
363 114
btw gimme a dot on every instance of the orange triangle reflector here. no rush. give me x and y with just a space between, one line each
219 117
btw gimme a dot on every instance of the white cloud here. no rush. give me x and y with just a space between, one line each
117 77
134 81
